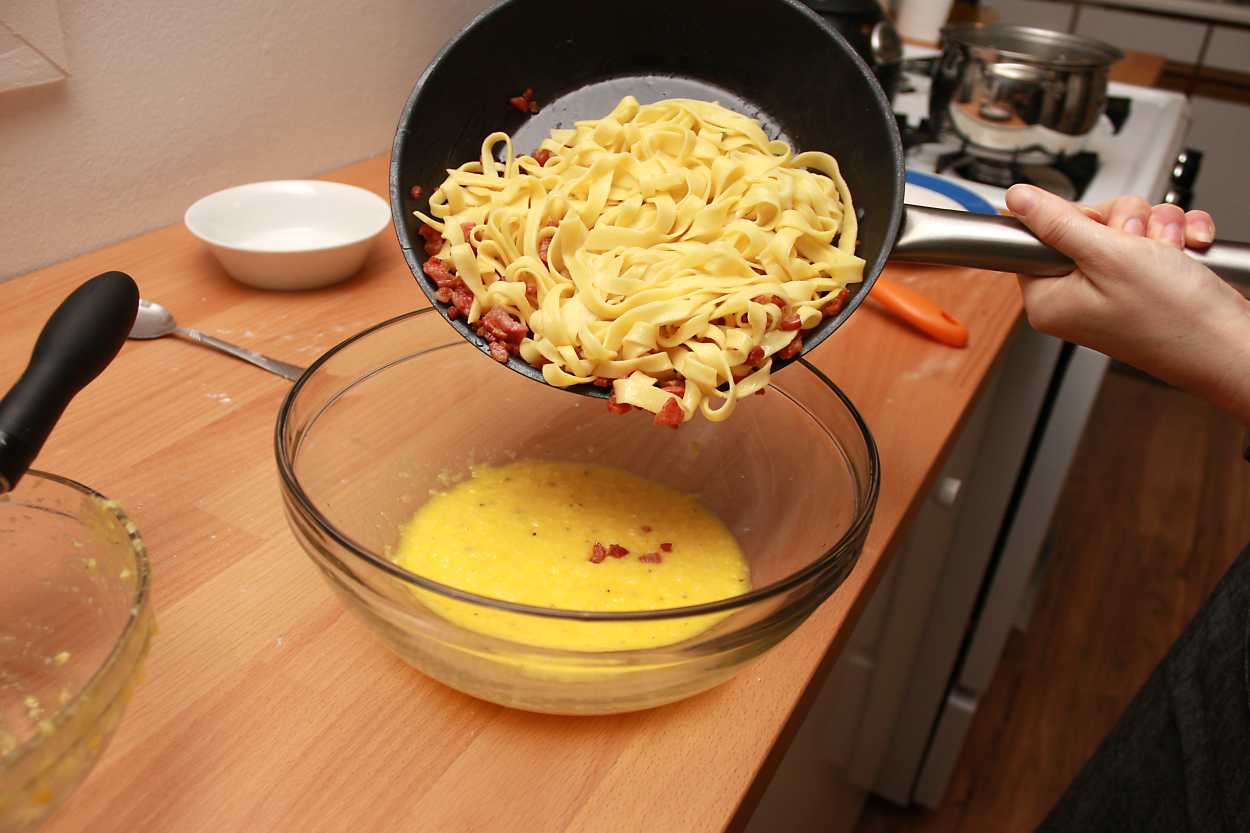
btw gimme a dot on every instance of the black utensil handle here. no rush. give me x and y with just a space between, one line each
80 339
947 237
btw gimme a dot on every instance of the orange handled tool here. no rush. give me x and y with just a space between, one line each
919 312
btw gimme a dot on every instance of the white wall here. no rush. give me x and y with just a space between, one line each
169 100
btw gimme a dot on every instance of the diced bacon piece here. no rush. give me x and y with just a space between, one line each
415 192
540 362
443 295
436 269
602 382
533 106
775 300
520 103
666 547
790 321
617 551
651 558
835 306
462 299
761 391
597 553
501 326
543 246
433 239
617 407
792 349
498 352
740 373
467 229
528 94
676 387
755 356
541 156
671 414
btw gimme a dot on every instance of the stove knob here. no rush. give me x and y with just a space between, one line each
1185 169
1179 196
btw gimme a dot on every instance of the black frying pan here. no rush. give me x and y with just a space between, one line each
774 60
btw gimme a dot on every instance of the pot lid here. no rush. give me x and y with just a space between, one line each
1037 45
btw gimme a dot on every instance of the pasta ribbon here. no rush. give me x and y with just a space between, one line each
671 249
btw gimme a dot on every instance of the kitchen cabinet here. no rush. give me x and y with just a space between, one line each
1178 40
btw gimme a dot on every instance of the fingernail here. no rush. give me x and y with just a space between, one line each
1021 199
1172 234
1203 233
1134 225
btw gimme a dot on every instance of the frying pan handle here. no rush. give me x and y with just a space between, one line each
946 237
78 342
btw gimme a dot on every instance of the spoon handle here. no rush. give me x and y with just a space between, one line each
283 369
80 339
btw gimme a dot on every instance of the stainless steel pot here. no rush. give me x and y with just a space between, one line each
1018 89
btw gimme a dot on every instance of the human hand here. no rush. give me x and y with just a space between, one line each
1136 296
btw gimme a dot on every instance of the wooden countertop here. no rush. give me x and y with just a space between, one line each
266 706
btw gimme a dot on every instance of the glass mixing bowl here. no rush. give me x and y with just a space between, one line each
407 407
75 623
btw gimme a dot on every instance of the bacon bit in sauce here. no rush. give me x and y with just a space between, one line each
651 558
617 551
790 321
443 295
617 407
597 554
498 352
835 306
671 414
541 156
433 239
602 382
666 547
792 349
467 229
415 192
543 246
755 356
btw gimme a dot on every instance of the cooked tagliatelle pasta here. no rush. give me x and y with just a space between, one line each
669 250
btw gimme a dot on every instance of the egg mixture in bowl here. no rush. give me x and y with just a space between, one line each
523 545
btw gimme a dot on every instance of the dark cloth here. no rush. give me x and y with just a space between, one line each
1178 760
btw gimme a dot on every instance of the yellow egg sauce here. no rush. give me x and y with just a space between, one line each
525 532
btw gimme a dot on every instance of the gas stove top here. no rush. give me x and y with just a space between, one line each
1138 158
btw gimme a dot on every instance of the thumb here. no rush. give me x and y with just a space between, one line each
1059 223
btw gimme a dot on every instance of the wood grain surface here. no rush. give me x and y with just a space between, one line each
267 707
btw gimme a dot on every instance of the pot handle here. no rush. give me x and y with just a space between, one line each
947 237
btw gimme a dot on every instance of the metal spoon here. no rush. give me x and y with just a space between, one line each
154 321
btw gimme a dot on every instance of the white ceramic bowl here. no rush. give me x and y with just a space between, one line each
289 234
